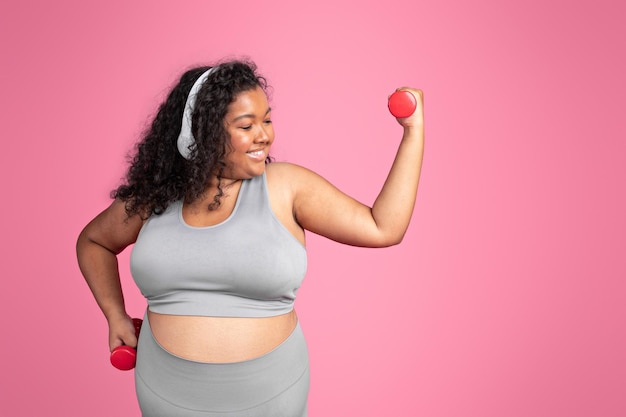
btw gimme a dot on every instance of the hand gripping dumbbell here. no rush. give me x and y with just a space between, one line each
124 357
402 103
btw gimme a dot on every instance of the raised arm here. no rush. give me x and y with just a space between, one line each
323 209
97 248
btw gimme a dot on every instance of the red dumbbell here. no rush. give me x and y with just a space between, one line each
124 357
402 103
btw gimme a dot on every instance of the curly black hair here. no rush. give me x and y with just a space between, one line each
158 174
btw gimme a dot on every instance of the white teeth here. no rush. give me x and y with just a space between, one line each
256 153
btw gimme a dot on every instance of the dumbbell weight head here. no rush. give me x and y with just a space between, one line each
402 104
137 323
125 357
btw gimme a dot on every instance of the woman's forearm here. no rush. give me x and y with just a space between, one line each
393 207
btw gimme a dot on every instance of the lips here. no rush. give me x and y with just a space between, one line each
260 154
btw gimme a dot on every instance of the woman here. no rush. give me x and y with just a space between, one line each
219 248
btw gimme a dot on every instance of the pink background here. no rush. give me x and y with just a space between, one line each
507 297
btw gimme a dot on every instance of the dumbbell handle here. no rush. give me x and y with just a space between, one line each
402 104
125 357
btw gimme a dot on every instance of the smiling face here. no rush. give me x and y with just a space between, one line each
249 126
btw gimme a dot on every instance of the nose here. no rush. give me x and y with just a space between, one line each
263 134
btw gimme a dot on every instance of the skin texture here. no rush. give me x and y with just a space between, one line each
300 199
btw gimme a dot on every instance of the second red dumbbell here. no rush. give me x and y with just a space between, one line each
125 357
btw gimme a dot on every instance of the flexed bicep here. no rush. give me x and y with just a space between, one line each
322 208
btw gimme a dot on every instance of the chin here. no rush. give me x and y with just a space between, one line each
252 173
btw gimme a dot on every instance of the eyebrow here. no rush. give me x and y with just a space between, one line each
250 115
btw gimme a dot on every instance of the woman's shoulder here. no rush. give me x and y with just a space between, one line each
284 176
286 171
298 179
280 166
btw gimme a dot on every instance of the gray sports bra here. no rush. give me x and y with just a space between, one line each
249 265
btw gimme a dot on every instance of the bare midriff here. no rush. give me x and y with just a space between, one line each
220 339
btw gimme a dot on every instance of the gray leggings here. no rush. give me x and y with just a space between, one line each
275 384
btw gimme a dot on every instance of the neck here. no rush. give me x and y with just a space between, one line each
222 183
